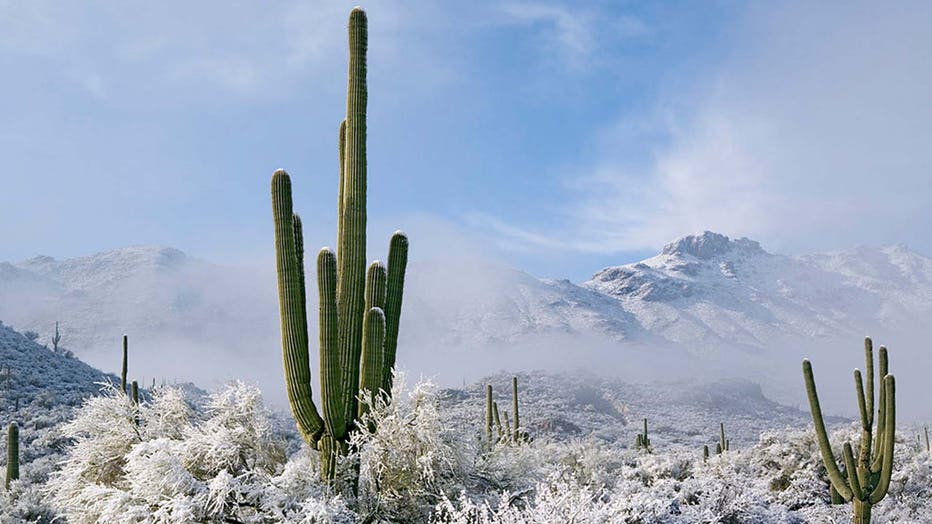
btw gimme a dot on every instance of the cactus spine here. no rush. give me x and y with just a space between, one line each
358 312
12 454
864 482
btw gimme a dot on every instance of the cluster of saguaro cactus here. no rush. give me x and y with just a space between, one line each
510 433
642 441
863 482
359 309
12 454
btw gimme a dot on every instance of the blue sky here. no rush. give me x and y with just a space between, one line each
558 137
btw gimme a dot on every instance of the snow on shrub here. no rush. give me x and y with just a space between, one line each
181 463
411 459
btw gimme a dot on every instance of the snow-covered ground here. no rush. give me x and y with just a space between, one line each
224 457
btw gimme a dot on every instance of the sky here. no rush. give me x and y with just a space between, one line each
556 137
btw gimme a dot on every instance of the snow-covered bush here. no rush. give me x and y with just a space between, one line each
412 459
170 461
779 481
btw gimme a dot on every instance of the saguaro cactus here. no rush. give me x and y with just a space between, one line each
641 441
514 406
359 312
12 454
864 482
56 339
488 415
123 368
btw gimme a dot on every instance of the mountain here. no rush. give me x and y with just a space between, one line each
707 290
705 305
179 312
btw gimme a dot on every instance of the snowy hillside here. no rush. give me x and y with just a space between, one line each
42 391
707 291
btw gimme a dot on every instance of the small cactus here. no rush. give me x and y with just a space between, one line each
488 415
514 406
705 453
56 339
123 368
642 441
12 454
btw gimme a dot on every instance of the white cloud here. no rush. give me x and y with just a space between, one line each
570 34
815 132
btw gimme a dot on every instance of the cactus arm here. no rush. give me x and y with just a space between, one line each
299 255
12 454
330 363
862 405
294 333
881 415
828 458
498 419
352 241
397 264
886 472
373 339
864 455
869 370
375 286
853 481
340 190
507 426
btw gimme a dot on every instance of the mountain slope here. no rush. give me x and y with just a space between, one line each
707 290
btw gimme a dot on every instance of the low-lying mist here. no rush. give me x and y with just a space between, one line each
462 320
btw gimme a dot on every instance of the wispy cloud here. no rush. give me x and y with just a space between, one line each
569 33
815 131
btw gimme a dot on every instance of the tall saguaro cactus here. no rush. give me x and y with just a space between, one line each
865 482
359 311
12 454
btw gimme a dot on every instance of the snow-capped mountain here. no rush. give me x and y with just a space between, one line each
706 291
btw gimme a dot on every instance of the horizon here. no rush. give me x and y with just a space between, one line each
499 263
